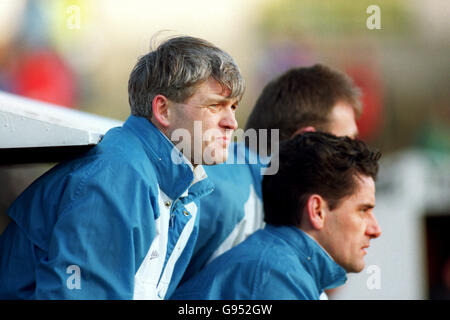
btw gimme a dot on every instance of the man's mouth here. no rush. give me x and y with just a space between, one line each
364 249
223 139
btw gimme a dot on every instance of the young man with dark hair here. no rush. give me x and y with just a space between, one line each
120 221
300 100
320 221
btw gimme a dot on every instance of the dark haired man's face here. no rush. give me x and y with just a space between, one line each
349 228
342 121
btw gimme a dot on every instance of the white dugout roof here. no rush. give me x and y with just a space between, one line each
34 131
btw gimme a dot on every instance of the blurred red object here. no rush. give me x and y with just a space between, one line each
44 76
368 80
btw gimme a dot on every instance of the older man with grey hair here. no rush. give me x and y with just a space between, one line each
120 221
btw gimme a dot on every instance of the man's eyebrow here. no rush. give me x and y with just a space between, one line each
367 206
220 99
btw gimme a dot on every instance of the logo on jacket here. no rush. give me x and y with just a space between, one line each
154 255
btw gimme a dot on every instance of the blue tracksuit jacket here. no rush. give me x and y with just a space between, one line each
119 222
233 211
275 263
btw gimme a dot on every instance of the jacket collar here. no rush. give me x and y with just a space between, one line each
174 171
325 271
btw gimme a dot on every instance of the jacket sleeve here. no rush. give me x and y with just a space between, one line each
97 244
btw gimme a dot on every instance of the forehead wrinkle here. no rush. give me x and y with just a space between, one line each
233 92
215 98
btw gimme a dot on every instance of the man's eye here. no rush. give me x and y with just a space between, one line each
234 107
213 106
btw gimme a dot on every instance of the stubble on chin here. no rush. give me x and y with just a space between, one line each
214 154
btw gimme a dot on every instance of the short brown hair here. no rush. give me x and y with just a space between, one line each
302 97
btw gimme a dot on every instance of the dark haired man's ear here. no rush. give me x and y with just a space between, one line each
160 111
303 130
315 210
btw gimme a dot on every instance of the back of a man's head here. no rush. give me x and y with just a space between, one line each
303 97
315 163
175 68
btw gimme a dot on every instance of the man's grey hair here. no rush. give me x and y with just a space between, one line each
176 68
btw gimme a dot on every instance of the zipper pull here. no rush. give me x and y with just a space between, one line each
172 216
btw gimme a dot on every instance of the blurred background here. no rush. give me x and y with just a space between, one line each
78 54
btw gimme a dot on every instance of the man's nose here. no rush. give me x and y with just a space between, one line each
374 229
228 120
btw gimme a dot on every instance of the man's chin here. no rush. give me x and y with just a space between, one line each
355 268
213 155
214 161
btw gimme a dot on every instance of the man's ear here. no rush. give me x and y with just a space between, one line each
315 211
160 110
303 130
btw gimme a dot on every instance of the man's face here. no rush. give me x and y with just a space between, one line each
349 228
342 121
208 117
